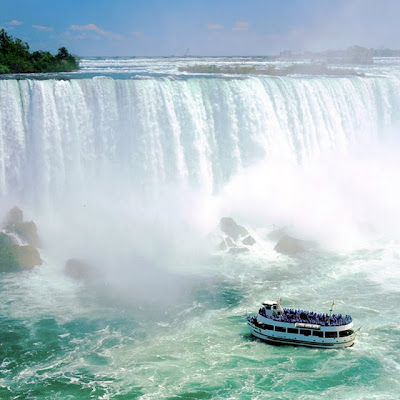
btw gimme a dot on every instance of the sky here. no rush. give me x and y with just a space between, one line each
201 27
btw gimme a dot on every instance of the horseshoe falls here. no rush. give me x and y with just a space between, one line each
64 134
130 164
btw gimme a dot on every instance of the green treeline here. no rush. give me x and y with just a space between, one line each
15 57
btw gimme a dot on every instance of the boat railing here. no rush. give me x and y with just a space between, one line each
308 317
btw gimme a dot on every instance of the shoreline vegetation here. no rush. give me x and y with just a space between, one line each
271 70
15 58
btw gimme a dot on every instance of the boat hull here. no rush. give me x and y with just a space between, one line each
295 340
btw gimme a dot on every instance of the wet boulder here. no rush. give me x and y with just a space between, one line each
27 256
278 233
291 246
232 229
8 262
78 269
26 230
249 240
222 246
235 238
17 258
230 243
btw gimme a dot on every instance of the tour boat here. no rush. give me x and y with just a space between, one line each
302 328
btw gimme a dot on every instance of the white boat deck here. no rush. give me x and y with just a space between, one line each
298 327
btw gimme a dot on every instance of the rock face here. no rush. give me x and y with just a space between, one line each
249 241
8 261
222 246
16 258
232 229
235 238
18 243
229 242
290 246
27 256
26 230
78 269
278 234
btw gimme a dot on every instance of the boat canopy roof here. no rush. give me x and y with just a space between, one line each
270 303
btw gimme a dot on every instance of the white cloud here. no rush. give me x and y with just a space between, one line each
42 28
95 29
214 26
14 22
241 26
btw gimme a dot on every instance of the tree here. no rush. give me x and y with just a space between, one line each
62 53
15 57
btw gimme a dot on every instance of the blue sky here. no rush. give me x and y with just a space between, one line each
206 27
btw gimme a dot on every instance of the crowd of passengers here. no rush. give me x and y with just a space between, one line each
308 317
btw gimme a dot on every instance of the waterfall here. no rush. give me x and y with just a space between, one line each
63 136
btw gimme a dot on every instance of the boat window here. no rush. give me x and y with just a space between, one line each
318 333
268 307
280 329
331 334
269 327
274 307
347 332
305 332
291 330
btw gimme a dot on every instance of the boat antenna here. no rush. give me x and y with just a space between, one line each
330 311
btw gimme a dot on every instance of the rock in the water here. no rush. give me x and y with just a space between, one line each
222 245
16 258
78 269
232 229
27 231
238 250
249 241
278 234
6 241
289 245
8 262
27 256
230 243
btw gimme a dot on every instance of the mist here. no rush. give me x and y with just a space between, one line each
150 248
342 200
141 248
132 176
